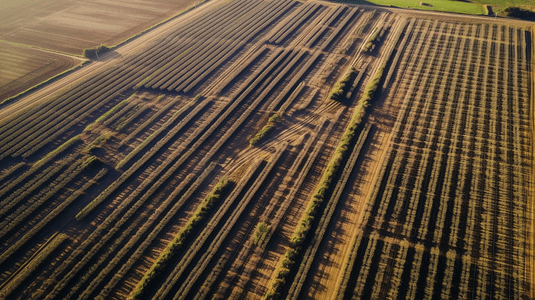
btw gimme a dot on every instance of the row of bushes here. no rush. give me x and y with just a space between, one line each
266 129
222 263
307 220
93 53
376 36
341 88
147 241
178 242
326 217
203 237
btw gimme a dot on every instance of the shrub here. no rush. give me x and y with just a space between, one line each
519 13
307 220
93 53
266 129
172 248
341 88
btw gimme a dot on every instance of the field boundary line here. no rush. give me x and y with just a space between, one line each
531 256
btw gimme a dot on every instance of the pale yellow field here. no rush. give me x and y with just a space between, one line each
71 26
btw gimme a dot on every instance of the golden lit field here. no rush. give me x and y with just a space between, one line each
279 150
23 67
69 27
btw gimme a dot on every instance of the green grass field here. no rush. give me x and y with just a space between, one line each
498 5
473 7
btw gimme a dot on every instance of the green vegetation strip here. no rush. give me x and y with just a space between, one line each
341 88
266 129
33 263
52 154
307 220
436 5
172 248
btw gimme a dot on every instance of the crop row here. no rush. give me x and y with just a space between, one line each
189 85
126 120
221 236
300 20
291 20
31 265
104 119
126 110
154 117
61 114
179 241
334 15
250 257
291 98
146 156
236 73
202 65
203 236
11 171
294 252
198 44
252 106
293 82
459 161
10 185
100 236
169 214
50 216
181 115
342 26
313 246
24 210
407 34
16 197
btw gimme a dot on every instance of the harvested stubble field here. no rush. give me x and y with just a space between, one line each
32 31
23 67
139 181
